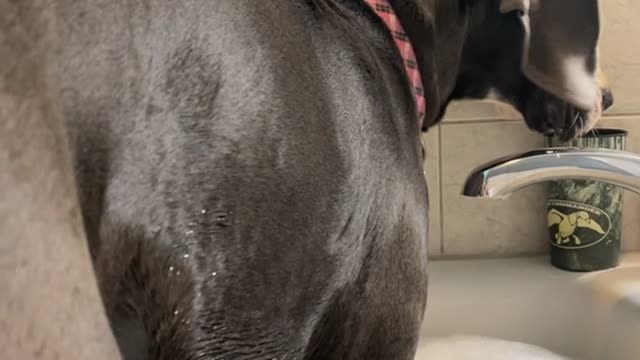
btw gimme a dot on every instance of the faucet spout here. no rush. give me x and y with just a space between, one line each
501 177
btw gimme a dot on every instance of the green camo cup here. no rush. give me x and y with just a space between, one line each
585 216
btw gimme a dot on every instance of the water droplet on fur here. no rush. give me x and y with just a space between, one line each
178 272
214 273
186 256
176 312
221 221
204 211
189 232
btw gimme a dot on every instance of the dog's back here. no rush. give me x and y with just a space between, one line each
222 151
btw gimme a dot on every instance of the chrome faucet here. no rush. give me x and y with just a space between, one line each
501 177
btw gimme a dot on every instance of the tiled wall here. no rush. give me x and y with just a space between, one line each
475 132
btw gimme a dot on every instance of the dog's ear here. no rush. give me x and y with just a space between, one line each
560 46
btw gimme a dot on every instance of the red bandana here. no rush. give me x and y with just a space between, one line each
384 10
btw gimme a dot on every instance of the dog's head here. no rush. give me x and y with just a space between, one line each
541 56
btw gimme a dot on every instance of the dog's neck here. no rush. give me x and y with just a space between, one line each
437 45
437 30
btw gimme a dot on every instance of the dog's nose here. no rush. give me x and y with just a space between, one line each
607 99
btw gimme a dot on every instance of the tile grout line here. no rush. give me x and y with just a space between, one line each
614 116
478 121
440 192
490 120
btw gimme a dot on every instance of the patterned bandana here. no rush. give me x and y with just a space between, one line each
384 10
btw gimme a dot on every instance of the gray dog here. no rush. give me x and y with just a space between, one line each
242 179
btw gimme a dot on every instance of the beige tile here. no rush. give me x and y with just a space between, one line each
432 172
469 110
631 210
487 226
619 55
